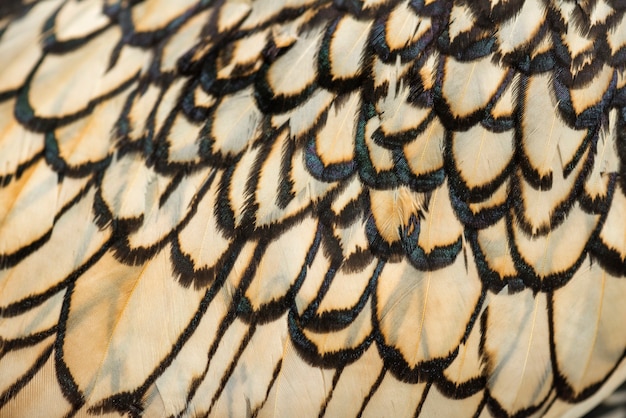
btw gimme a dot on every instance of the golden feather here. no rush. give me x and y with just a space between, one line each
312 208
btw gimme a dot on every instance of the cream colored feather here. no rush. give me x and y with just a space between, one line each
298 208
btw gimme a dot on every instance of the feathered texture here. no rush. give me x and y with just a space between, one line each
312 208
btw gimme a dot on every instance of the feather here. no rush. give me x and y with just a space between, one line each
37 188
481 156
466 372
182 40
311 208
120 200
245 392
396 113
347 47
468 87
130 302
570 316
341 119
406 298
296 377
19 148
543 140
48 95
521 31
68 256
613 233
557 252
404 27
51 395
15 44
440 227
355 381
437 404
285 275
282 77
201 239
80 143
517 351
382 398
183 146
155 15
208 391
306 116
78 19
189 367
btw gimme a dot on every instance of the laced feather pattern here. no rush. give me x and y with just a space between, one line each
312 208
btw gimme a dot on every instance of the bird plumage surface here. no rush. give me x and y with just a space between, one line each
312 208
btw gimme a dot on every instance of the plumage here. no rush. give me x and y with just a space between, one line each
312 208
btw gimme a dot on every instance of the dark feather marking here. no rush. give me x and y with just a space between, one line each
372 391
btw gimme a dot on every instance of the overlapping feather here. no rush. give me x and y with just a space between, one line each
281 208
